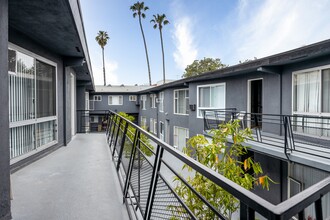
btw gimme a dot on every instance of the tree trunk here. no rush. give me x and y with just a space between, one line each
103 67
161 41
145 47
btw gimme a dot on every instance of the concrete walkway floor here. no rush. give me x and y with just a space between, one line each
78 181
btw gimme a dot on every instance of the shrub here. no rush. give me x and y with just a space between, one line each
223 157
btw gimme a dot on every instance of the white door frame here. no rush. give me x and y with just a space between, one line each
167 131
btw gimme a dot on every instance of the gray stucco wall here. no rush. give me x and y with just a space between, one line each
4 115
81 104
167 116
130 107
81 101
148 112
236 96
277 170
68 100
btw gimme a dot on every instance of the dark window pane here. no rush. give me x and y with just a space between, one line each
46 90
326 90
11 60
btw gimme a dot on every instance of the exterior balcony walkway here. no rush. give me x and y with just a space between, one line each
78 181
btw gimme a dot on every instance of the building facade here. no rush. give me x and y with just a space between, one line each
294 83
45 68
121 98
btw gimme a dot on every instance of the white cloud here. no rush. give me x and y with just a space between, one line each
110 72
186 51
276 26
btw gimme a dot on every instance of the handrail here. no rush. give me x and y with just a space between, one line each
284 210
281 131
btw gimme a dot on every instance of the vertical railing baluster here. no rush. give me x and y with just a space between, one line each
318 209
108 119
285 124
114 120
139 177
131 161
301 215
243 211
246 213
154 180
109 126
293 147
115 143
122 145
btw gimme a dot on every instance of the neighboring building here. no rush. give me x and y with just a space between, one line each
121 98
294 83
45 71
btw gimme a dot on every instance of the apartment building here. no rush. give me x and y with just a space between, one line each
292 85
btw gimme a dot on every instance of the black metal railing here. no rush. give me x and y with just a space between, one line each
300 133
146 167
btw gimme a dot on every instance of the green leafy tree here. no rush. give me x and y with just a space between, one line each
247 60
138 10
102 39
160 21
146 148
205 65
224 158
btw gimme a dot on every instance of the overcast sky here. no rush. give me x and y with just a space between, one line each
231 30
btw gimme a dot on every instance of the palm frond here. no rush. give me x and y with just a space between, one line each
134 14
143 15
155 26
102 38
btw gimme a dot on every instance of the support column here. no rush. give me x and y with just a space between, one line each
4 115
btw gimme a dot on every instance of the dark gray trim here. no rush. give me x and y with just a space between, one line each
289 57
4 115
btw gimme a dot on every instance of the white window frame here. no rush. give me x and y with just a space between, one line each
209 108
161 134
143 122
155 126
97 98
319 70
153 100
143 100
132 98
161 102
176 135
186 99
120 97
37 121
151 125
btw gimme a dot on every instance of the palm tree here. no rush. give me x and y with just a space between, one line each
102 39
160 21
138 9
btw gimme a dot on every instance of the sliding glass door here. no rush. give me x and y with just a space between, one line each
32 102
